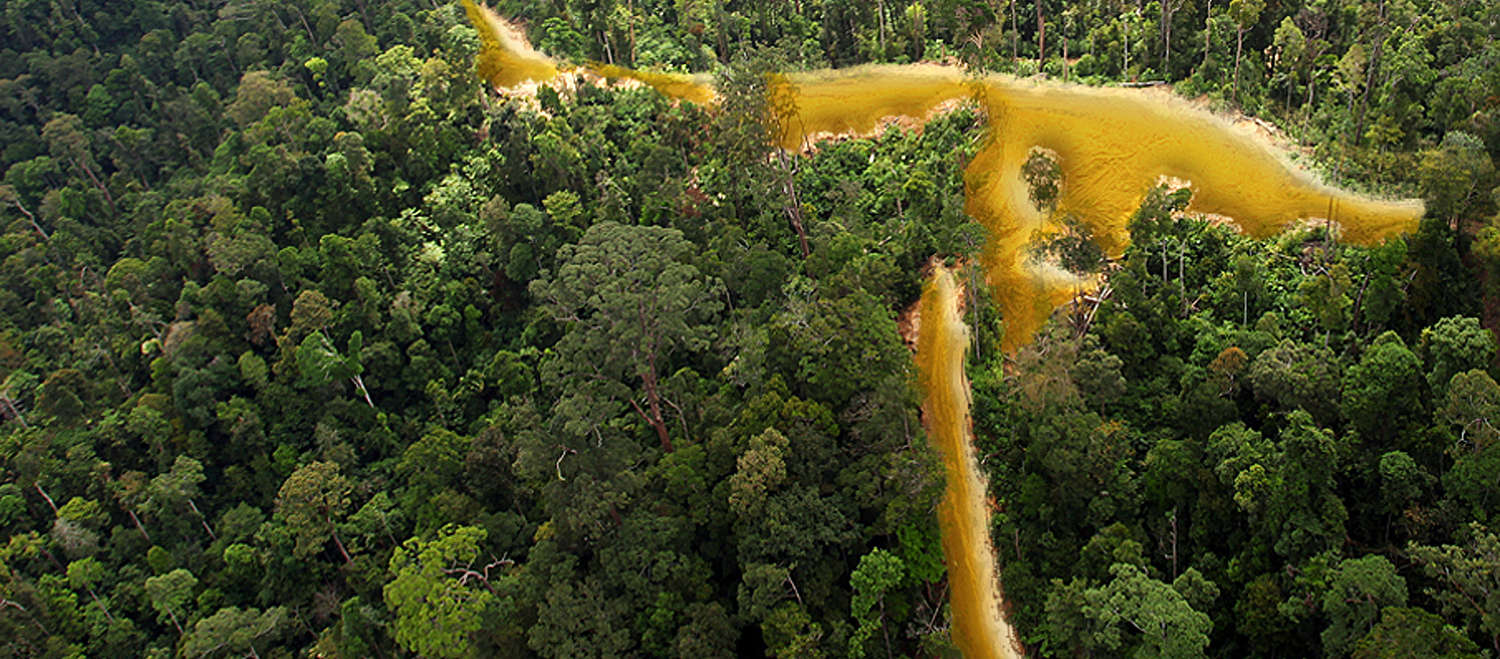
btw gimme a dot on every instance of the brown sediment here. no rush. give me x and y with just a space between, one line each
695 88
1112 146
506 59
979 624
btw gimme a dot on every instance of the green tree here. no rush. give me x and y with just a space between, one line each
1468 580
1473 405
257 93
1326 296
629 298
87 573
171 491
171 593
62 394
1401 480
760 470
878 573
311 501
1455 178
1383 392
1168 625
1246 13
1413 632
1358 590
1298 376
1455 345
1291 45
436 460
68 140
319 363
235 631
441 594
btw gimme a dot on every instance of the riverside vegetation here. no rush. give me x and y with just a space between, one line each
1110 145
310 344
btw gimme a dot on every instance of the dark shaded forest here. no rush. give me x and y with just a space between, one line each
311 345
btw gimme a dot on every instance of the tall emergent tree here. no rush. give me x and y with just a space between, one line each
629 298
311 500
439 595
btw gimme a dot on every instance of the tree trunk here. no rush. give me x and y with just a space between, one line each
653 401
1371 72
310 36
1174 544
1166 38
723 38
1015 34
339 543
364 12
137 522
1350 110
1364 99
1239 43
1208 33
202 520
885 629
1312 82
100 602
1290 79
1065 55
48 499
630 5
90 173
1041 36
360 383
34 225
10 404
794 210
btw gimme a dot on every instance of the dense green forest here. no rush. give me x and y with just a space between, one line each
310 345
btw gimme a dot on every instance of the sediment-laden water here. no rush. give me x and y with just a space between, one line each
1112 146
979 625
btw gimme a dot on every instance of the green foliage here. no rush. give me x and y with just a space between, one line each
1455 177
1466 576
761 469
231 631
629 299
219 221
1163 622
1297 376
879 572
309 502
1455 345
440 595
1383 391
1413 632
171 593
1358 590
1473 399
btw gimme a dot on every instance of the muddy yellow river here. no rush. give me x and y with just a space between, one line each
1113 145
979 626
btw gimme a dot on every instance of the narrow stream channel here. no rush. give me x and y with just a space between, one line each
979 626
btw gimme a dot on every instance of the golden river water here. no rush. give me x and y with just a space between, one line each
979 626
1112 145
